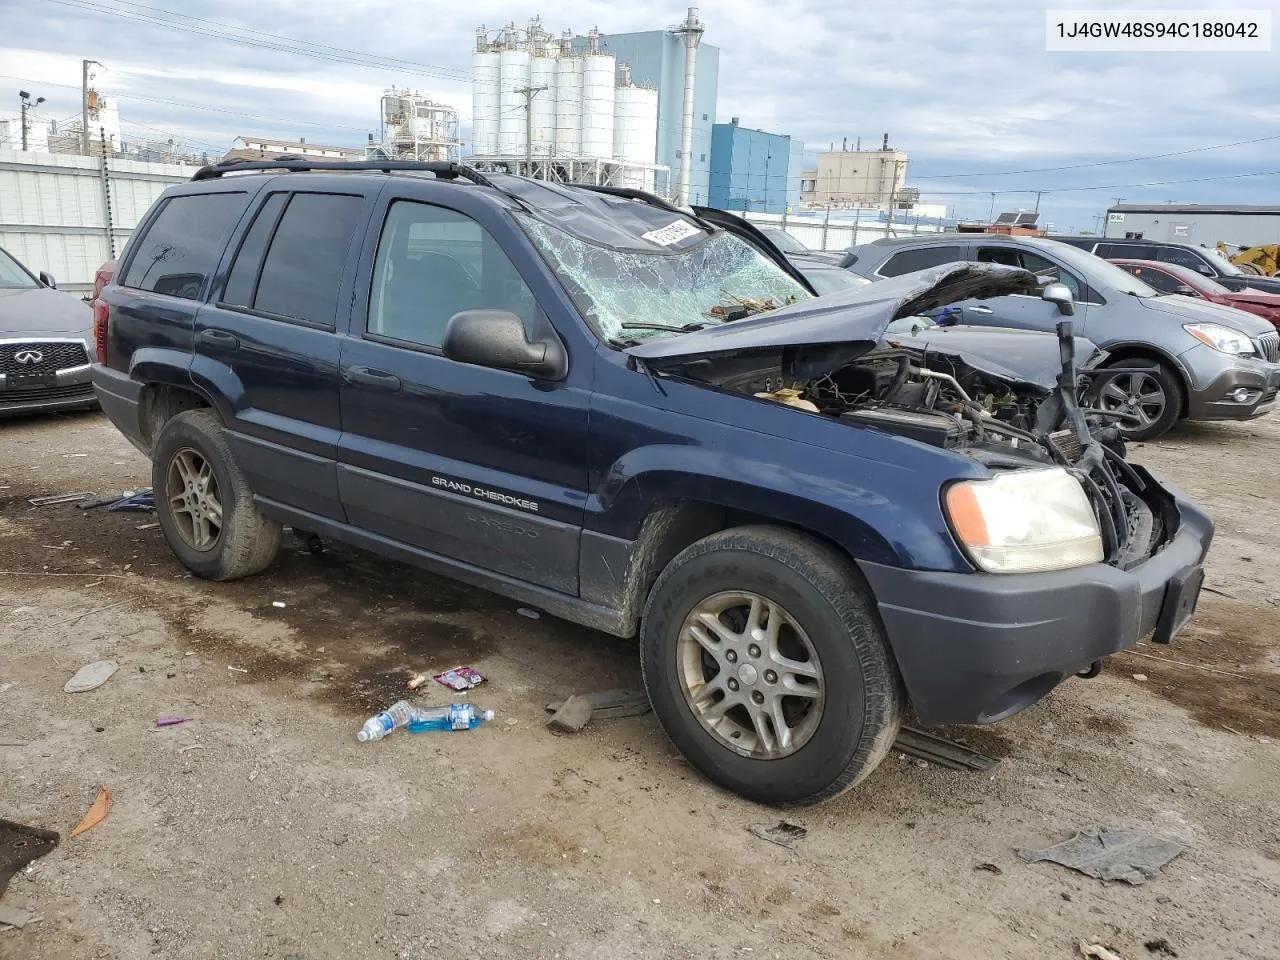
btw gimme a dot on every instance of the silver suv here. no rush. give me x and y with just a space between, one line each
1188 359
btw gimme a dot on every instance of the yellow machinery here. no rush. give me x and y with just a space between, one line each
1261 261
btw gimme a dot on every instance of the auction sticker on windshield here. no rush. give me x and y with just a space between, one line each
672 233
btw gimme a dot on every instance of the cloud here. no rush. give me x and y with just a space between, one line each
964 86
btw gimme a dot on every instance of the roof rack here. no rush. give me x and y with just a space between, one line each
444 170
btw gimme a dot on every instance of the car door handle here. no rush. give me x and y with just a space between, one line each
219 338
980 309
369 377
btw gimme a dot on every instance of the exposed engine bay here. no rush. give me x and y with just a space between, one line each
1003 422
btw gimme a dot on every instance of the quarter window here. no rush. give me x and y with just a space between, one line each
920 258
180 249
432 263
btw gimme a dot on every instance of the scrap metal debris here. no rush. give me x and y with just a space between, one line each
143 501
21 844
96 813
14 917
58 498
91 676
612 704
783 833
574 714
1098 951
943 752
1133 856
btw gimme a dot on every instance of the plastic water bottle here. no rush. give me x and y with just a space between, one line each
456 716
393 718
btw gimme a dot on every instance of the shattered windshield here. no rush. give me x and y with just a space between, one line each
631 296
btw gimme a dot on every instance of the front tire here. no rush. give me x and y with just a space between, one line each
1150 399
768 668
204 503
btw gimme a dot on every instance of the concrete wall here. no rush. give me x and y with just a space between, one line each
657 60
52 209
820 232
1246 229
753 170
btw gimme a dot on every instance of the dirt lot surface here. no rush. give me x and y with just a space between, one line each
261 828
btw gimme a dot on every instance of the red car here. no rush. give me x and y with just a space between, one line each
1171 278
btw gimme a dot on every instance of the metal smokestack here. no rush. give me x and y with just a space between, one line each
691 30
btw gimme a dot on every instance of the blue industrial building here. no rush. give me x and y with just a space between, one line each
657 60
754 170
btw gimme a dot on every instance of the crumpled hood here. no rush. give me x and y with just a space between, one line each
853 321
42 312
1015 356
1191 310
1257 298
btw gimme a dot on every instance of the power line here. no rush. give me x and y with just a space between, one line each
1104 163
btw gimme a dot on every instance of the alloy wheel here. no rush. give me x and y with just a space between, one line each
750 675
193 499
1139 396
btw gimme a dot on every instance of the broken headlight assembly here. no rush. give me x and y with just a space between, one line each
1025 521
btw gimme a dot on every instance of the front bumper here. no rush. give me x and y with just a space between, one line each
71 389
979 647
1215 376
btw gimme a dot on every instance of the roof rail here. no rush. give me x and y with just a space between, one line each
653 200
443 169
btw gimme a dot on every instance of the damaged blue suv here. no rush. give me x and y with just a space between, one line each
816 514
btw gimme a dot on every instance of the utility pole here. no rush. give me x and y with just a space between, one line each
1038 192
893 194
27 105
528 93
991 217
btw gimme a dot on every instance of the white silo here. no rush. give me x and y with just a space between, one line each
486 63
599 75
542 73
568 103
514 77
635 129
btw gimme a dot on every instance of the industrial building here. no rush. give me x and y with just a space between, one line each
631 110
544 109
1199 223
415 127
856 178
752 170
261 148
663 60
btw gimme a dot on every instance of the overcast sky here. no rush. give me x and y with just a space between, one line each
965 86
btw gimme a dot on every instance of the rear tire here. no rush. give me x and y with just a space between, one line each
1161 414
204 503
731 588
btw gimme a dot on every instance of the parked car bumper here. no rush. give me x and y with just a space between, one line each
121 399
1216 379
977 647
71 389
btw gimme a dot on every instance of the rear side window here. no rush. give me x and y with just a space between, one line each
306 252
1126 251
1181 256
180 249
920 258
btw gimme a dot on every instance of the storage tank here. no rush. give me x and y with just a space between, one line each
598 79
568 106
542 73
486 64
635 129
514 76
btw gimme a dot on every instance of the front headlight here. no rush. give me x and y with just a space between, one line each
1222 339
1025 521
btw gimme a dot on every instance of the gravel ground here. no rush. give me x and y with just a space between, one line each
261 828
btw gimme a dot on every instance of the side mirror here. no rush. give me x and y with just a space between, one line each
1186 291
1060 294
1206 270
497 338
46 278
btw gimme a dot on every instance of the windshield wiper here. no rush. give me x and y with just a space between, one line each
687 328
